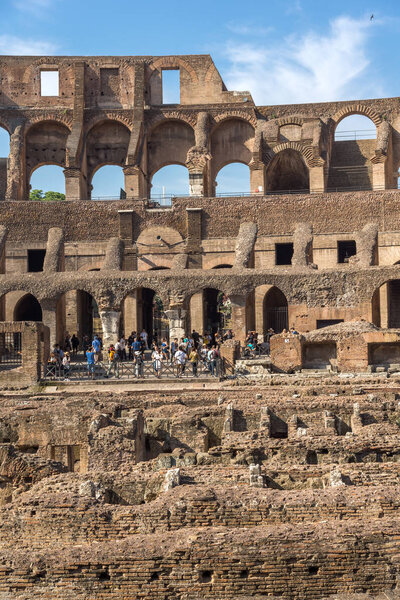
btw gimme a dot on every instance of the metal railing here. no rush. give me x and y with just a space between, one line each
10 350
355 134
155 203
128 370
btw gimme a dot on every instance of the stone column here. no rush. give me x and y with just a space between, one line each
196 162
238 302
177 322
110 318
15 172
75 184
49 318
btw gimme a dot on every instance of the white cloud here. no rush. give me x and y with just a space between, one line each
308 68
10 44
33 6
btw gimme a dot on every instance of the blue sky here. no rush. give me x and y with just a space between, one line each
284 51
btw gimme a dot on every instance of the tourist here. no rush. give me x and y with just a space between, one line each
196 337
91 365
145 338
212 356
194 360
66 364
113 361
75 344
180 361
67 343
131 339
136 347
157 359
96 345
174 347
164 349
139 363
122 348
85 344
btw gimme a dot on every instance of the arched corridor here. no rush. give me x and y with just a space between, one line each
288 171
28 309
275 311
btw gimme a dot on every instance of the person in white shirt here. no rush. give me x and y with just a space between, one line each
180 361
157 358
122 345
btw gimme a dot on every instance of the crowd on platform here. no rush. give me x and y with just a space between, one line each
194 350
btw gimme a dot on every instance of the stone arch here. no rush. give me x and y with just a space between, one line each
173 62
46 143
288 170
305 151
143 308
243 115
354 109
168 143
275 311
218 262
107 143
27 308
231 141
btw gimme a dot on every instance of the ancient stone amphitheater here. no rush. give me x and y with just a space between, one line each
282 479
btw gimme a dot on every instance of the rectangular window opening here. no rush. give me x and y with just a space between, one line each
283 254
36 260
171 92
49 83
321 323
346 249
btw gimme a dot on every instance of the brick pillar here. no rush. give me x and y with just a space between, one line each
239 317
197 312
317 180
110 319
257 177
75 184
49 318
135 182
378 175
130 314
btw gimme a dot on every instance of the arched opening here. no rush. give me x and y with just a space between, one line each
172 180
288 171
47 183
231 142
223 266
354 144
4 152
108 183
28 309
355 127
152 317
217 311
386 305
107 144
275 311
82 316
233 179
46 144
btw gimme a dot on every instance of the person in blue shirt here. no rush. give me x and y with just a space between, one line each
90 362
136 346
96 345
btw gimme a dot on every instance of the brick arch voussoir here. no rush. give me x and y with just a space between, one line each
305 151
242 115
43 119
290 121
170 62
165 117
357 109
107 118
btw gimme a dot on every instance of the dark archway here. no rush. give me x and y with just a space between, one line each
288 171
275 311
28 309
154 320
217 311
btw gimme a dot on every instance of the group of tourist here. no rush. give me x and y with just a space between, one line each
193 351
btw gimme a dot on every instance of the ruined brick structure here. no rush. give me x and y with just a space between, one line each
302 259
287 487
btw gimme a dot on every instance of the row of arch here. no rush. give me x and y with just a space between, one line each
210 310
231 142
